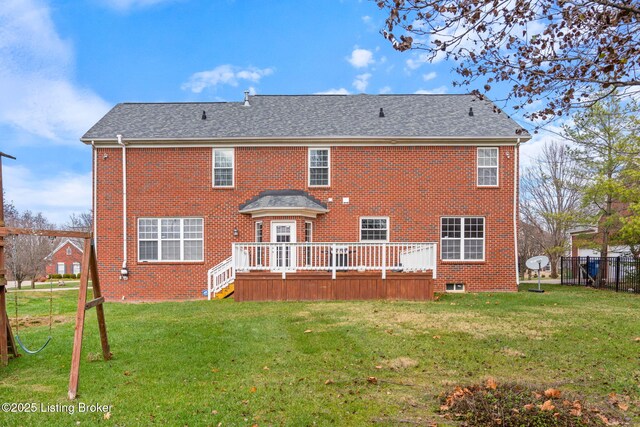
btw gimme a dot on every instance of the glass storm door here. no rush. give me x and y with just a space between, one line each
283 255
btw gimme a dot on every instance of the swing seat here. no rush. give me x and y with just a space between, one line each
26 350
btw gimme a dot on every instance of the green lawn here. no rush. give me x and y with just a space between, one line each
202 363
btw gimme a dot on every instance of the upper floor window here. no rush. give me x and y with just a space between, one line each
223 167
319 167
462 239
487 167
170 239
68 250
374 229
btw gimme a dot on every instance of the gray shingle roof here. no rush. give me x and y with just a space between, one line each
308 116
278 199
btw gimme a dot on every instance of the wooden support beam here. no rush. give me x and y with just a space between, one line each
74 376
6 231
93 303
97 293
13 350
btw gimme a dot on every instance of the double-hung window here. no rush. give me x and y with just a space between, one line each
374 229
319 167
223 167
170 239
462 239
487 167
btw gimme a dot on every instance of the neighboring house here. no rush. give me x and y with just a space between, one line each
431 177
587 241
66 258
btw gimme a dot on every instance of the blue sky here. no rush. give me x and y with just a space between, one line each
64 63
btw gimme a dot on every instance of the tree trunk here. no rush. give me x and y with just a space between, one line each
553 260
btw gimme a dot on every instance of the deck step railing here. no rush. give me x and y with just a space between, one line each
219 277
290 257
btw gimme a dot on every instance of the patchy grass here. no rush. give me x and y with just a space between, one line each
202 363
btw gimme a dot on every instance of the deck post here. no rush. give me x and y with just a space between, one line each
384 261
283 262
333 261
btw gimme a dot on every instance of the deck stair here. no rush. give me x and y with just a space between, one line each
220 280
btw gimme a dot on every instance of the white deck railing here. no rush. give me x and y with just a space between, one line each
290 257
219 277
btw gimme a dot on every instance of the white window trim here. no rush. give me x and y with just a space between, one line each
497 166
64 268
374 217
73 268
259 224
462 258
68 251
233 167
328 166
159 240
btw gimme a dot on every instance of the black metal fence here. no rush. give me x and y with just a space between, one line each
612 273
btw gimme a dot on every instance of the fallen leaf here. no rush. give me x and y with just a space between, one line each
444 407
576 412
623 406
308 331
491 384
127 373
537 395
529 406
552 392
327 382
266 368
436 337
107 416
214 412
253 390
214 370
378 367
372 380
637 339
547 406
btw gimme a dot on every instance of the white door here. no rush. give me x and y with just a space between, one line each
283 256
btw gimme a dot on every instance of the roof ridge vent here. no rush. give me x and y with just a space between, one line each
381 114
246 99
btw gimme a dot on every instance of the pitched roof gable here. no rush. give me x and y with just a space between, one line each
310 116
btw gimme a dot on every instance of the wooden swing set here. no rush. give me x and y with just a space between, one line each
89 267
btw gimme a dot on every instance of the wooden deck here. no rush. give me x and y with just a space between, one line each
315 286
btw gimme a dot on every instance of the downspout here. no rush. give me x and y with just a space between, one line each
516 173
124 272
95 197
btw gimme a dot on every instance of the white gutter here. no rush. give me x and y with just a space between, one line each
95 198
123 272
516 173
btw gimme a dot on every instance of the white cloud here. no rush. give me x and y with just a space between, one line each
224 75
429 76
366 19
361 82
417 61
56 195
436 91
361 58
341 91
124 5
38 93
384 90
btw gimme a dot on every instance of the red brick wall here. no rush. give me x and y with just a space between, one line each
61 256
413 186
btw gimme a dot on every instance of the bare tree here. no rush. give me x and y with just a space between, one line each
558 53
80 222
551 200
26 254
528 246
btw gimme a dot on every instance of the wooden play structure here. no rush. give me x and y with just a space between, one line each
89 267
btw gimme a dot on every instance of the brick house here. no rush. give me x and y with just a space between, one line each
66 258
391 183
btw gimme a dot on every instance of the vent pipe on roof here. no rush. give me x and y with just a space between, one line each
381 114
470 111
246 98
204 115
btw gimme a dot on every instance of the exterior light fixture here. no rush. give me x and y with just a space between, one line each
235 232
